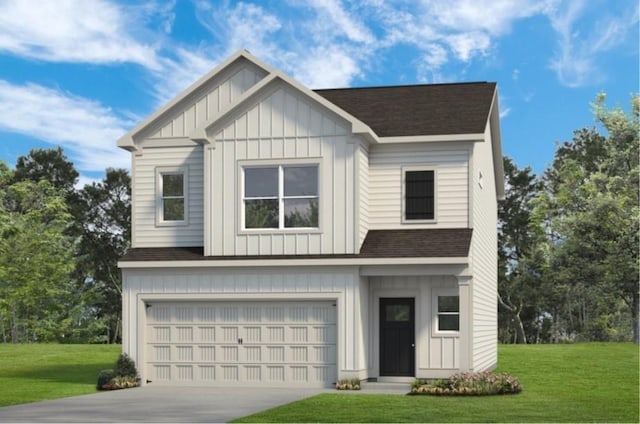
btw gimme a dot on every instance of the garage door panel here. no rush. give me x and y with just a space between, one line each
263 343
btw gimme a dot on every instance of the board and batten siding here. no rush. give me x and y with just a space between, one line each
145 231
283 127
385 183
241 284
437 355
484 247
208 101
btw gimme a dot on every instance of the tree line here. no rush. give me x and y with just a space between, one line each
568 239
59 247
568 244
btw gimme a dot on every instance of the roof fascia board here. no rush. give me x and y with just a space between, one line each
202 134
226 263
432 138
127 141
496 146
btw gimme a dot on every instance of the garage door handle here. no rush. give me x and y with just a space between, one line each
239 341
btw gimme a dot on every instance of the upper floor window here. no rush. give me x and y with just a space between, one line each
419 195
172 195
280 197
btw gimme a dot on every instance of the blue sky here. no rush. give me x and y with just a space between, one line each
80 73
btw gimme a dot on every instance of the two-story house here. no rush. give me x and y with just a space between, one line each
289 236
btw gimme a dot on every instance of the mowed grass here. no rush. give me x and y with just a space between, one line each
591 382
34 372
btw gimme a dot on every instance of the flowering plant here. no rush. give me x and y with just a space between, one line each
469 384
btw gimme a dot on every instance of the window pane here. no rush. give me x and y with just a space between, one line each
300 180
448 304
173 209
301 213
397 313
261 182
448 323
261 214
172 185
419 189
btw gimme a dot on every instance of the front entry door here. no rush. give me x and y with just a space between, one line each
397 337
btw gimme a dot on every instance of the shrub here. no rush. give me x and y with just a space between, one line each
469 384
104 378
123 376
125 367
348 384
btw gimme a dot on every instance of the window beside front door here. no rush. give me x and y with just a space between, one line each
281 197
419 195
447 312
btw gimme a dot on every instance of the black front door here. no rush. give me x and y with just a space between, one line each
397 337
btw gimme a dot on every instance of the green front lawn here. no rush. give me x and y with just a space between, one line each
34 372
591 382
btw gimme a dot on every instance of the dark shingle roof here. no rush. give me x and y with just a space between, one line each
434 109
431 243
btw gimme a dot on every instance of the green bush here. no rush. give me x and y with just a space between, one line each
125 367
104 378
469 384
348 384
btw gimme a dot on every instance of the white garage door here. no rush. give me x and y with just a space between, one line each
243 343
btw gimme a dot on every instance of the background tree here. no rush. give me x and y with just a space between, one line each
590 204
519 255
35 261
105 232
47 164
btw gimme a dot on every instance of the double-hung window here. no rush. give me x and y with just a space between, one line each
281 197
419 195
448 313
172 190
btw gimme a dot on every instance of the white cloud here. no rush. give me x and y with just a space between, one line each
85 128
580 41
86 31
326 68
332 17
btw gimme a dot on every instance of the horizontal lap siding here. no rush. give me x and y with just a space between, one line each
145 231
385 184
363 175
284 125
484 248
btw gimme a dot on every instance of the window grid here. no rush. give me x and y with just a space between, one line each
281 197
165 199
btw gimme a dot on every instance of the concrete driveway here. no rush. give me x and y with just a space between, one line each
157 404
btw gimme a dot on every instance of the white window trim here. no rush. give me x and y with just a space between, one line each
280 164
435 293
160 171
404 171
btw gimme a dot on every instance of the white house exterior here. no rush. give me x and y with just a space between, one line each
285 236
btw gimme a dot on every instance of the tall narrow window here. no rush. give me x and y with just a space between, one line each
448 313
419 199
281 197
172 196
